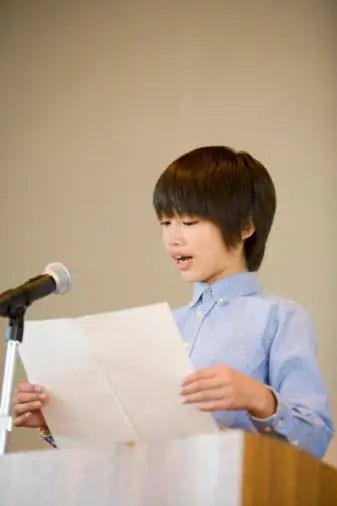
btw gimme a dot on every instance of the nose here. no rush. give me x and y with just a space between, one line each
175 235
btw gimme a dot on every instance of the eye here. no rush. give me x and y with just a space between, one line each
165 223
190 223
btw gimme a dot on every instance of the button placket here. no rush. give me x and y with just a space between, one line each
200 314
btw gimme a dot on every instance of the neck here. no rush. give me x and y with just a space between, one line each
228 271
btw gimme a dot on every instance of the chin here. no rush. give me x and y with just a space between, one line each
191 277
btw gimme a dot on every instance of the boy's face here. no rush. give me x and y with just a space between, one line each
197 247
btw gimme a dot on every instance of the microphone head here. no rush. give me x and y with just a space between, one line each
61 276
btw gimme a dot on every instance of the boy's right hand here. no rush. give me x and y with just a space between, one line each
27 402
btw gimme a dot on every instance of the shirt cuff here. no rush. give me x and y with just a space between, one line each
275 423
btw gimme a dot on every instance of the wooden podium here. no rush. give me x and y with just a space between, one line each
229 469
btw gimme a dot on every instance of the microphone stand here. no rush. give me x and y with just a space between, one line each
13 338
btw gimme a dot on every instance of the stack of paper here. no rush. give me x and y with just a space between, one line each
112 377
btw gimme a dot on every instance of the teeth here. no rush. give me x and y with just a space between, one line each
182 260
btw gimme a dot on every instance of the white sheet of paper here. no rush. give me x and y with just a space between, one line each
112 377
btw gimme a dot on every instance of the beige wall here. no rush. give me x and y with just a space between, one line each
97 97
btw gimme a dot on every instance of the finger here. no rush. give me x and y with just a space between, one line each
25 387
25 397
201 385
20 420
219 405
207 373
21 409
206 395
29 387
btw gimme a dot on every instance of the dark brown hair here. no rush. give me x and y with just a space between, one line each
231 189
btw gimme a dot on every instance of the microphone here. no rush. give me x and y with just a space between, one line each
55 279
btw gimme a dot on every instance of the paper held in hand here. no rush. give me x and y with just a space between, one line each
112 377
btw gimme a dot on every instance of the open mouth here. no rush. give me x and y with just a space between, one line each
182 260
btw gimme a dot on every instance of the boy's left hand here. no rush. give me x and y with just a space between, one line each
219 388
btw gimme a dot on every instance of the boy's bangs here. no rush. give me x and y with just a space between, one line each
177 194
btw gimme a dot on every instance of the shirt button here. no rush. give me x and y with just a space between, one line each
221 301
200 314
267 429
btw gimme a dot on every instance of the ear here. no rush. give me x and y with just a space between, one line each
248 230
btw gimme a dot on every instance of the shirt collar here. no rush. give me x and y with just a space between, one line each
228 288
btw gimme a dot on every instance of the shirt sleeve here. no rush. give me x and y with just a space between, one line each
302 416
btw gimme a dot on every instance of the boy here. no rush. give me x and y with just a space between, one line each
254 354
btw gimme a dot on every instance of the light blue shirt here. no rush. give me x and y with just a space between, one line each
232 322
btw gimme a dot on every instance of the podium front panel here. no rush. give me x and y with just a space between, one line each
197 471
